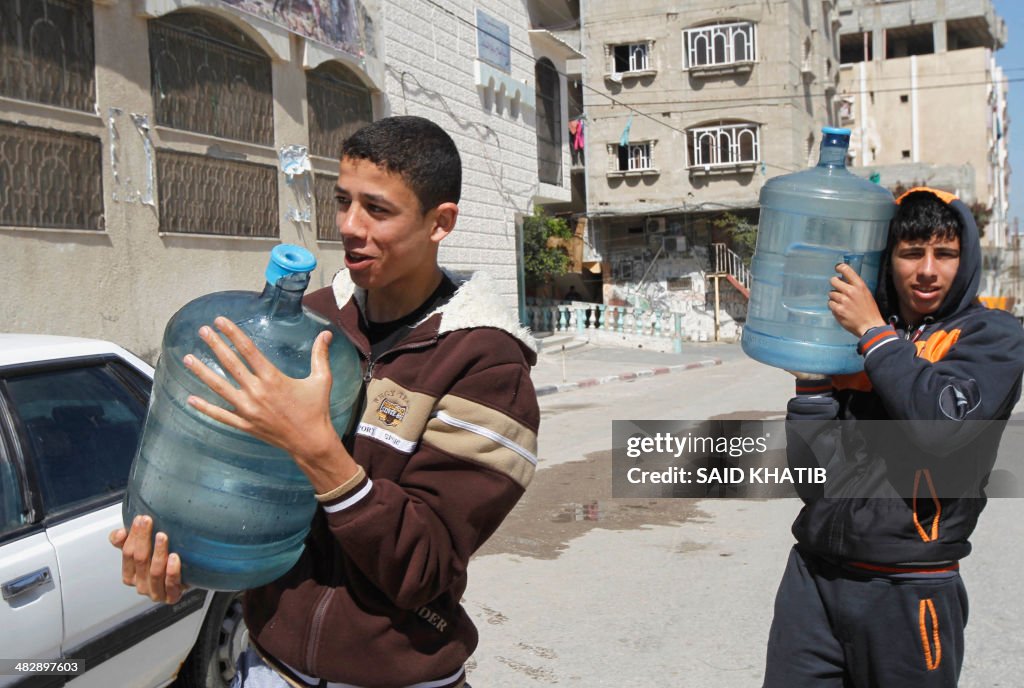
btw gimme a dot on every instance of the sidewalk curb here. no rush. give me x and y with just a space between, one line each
545 390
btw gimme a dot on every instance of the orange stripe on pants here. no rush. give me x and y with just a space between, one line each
925 609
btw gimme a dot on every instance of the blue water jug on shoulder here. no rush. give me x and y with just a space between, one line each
810 221
235 509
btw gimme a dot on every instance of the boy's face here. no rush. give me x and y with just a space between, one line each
389 242
923 272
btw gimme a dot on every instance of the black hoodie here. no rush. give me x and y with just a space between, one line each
909 443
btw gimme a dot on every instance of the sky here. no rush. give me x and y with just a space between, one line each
1011 59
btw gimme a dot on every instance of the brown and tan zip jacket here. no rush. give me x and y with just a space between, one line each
447 438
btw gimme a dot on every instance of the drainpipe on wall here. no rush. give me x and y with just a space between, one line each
864 113
915 129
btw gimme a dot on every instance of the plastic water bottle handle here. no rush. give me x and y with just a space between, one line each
854 260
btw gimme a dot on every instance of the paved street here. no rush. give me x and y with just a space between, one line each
579 589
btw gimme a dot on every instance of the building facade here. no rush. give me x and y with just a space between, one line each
912 74
155 150
690 110
926 100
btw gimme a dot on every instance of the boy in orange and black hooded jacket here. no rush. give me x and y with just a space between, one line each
872 594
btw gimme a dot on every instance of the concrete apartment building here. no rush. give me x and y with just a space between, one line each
921 90
717 98
155 150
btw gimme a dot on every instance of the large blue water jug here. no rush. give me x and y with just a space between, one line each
236 509
810 221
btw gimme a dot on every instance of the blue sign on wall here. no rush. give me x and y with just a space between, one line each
492 41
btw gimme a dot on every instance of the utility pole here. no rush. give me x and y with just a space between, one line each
1016 261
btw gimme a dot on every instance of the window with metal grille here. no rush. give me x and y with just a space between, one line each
204 195
635 157
549 123
209 77
339 104
723 145
719 44
631 57
49 179
46 52
326 207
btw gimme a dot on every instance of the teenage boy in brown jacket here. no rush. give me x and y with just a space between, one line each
443 448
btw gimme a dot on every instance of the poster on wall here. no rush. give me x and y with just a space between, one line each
341 24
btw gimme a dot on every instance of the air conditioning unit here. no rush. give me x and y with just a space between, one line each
655 225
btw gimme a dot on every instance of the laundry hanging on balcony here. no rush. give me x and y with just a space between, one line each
576 131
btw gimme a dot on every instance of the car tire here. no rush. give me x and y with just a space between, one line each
223 637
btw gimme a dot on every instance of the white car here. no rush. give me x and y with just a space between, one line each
71 416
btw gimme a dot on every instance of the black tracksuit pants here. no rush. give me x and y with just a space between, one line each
837 627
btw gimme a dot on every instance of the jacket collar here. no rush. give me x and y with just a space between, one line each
475 303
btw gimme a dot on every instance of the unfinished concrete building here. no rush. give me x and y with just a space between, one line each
920 87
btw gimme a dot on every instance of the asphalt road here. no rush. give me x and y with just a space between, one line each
579 589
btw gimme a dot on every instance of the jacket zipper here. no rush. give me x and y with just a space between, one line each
372 362
315 627
368 374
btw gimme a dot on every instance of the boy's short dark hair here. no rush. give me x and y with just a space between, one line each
416 149
921 216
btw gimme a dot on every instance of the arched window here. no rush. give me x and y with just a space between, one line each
741 46
339 104
719 44
209 77
723 145
748 144
50 178
699 50
46 52
549 123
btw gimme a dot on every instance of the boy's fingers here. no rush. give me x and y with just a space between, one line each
219 414
849 274
141 539
244 346
321 362
158 569
128 554
117 537
228 359
216 382
172 583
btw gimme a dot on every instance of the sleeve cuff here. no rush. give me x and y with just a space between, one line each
346 495
814 386
876 338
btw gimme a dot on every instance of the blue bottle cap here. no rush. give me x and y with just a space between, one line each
287 259
835 131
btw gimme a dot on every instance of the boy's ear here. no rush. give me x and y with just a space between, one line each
445 216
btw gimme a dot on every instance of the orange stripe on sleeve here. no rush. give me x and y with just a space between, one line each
878 337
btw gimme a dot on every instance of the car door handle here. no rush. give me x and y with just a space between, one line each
23 584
